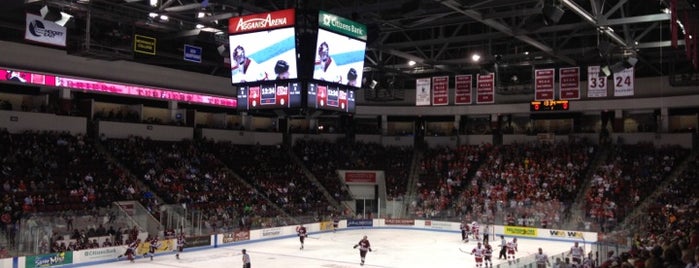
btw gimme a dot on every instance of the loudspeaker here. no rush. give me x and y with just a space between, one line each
605 47
552 14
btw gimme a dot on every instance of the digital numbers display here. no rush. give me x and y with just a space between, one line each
549 105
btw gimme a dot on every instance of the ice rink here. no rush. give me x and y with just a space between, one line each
391 248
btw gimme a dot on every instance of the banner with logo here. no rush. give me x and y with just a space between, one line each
44 31
97 254
462 91
422 92
543 84
165 245
569 83
440 90
596 84
235 237
485 89
623 83
277 231
326 225
521 231
360 223
262 21
399 221
48 260
360 177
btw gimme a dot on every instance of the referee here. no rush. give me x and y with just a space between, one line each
246 259
503 248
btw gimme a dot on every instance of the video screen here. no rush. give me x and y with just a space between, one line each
330 97
269 96
27 77
262 56
339 59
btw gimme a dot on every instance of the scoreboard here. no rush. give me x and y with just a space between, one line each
549 105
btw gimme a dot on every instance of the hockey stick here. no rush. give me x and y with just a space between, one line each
464 251
313 237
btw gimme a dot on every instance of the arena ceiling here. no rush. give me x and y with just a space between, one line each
512 36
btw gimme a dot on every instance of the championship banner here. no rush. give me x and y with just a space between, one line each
43 31
440 90
596 85
569 83
485 89
623 83
543 84
422 92
462 89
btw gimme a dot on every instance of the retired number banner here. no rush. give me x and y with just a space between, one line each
596 84
462 89
569 83
440 90
623 83
543 86
422 92
485 92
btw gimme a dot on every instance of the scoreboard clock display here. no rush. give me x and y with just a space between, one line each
549 105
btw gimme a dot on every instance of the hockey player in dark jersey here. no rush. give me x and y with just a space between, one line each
301 231
363 246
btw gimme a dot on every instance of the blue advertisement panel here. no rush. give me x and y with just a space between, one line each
360 223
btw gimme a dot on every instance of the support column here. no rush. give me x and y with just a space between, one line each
457 123
246 121
664 120
65 101
618 126
313 125
384 125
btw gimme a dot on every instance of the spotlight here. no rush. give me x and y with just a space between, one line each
50 13
605 71
222 50
55 15
475 57
630 62
373 84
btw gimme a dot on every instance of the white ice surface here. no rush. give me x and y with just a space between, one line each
391 248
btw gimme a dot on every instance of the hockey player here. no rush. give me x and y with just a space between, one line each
478 253
364 246
131 250
180 245
465 230
511 250
301 231
542 260
475 231
488 255
577 253
154 245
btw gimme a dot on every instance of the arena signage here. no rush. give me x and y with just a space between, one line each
399 221
521 231
271 232
360 223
